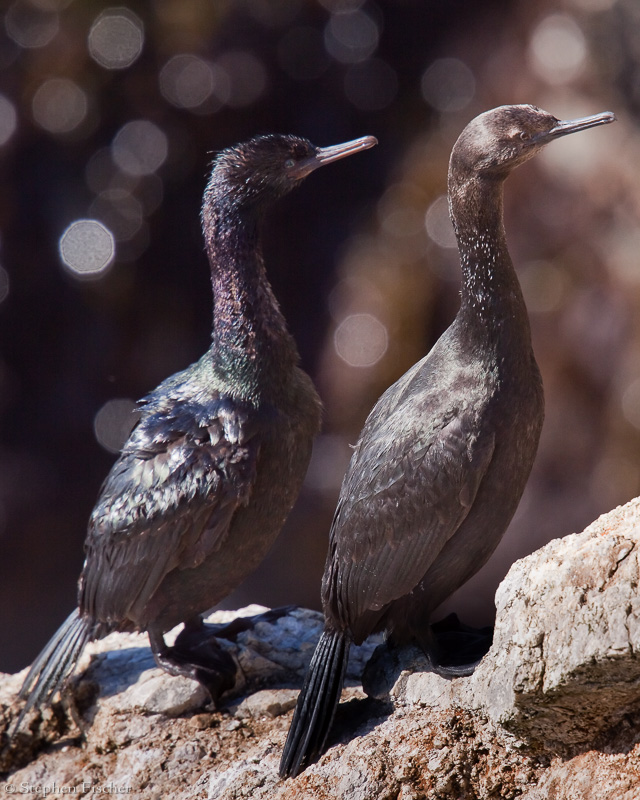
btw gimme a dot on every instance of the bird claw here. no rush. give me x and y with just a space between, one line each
231 630
197 654
200 659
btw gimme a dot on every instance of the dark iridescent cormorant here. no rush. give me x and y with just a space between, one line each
444 455
210 472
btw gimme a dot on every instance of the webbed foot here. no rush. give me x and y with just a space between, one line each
230 630
198 657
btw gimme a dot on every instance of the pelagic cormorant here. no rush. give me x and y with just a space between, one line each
444 455
205 481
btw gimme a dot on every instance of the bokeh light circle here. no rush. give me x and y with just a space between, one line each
188 81
116 38
448 85
558 49
113 423
59 105
361 340
139 147
29 26
438 223
87 248
247 77
8 119
120 211
351 36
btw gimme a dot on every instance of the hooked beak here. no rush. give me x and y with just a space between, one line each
327 155
564 127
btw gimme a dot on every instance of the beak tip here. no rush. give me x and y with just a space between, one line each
327 155
564 127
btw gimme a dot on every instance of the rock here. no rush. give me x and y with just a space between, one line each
552 711
590 776
267 703
568 643
128 679
565 661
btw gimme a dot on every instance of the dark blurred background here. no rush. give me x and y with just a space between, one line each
109 116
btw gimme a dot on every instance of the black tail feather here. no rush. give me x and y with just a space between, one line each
58 659
317 704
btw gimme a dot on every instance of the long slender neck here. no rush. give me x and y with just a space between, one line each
491 299
251 345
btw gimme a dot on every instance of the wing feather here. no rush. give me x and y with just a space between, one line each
168 501
408 488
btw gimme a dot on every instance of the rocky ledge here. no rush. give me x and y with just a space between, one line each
552 711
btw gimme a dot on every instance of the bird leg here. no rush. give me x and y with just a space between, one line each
454 649
450 648
230 630
196 657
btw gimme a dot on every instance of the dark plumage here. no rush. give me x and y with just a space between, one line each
444 455
210 472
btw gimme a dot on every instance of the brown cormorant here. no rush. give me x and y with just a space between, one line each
444 455
207 477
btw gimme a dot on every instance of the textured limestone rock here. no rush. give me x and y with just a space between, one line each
267 702
551 713
569 636
565 662
590 776
118 687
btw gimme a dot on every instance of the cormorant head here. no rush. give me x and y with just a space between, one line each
267 167
497 141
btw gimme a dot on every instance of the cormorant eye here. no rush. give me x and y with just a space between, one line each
525 136
290 162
